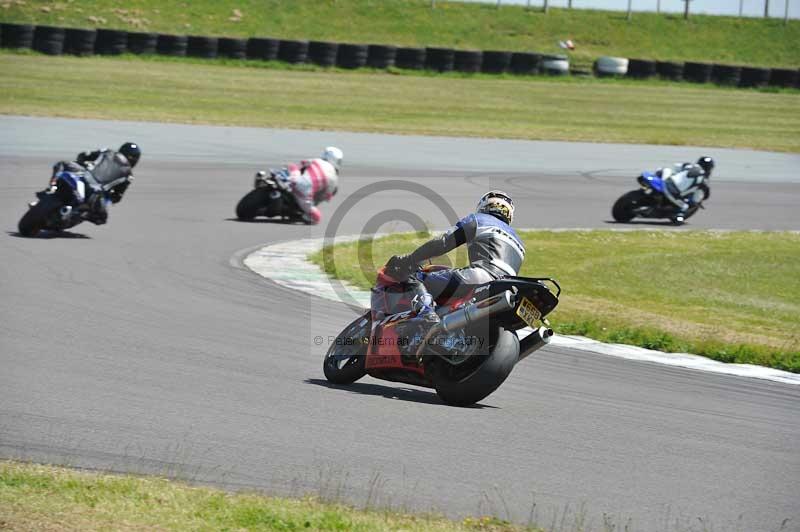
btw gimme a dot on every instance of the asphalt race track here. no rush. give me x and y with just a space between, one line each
145 346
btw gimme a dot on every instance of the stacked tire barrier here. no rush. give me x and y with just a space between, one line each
80 42
352 55
468 61
53 40
669 70
439 59
293 51
410 58
49 40
203 47
142 43
641 68
610 66
554 65
524 63
322 53
173 45
262 49
381 56
232 48
17 35
697 72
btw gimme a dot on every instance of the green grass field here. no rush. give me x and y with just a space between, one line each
461 25
36 497
732 296
217 92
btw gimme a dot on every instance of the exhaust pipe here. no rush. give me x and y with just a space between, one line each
535 341
477 311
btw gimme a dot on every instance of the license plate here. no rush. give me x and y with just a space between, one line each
528 312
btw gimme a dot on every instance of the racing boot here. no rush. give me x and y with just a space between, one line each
413 332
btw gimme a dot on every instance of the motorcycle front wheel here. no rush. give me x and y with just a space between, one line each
346 358
468 383
249 206
37 216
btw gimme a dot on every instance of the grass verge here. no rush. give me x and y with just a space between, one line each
461 25
36 497
731 296
217 92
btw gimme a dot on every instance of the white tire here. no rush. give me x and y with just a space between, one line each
611 65
555 65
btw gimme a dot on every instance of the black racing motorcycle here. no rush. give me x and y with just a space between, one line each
650 201
268 198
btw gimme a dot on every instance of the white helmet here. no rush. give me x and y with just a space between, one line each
333 156
497 203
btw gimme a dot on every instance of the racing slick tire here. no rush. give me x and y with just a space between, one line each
622 211
252 202
35 219
345 361
457 389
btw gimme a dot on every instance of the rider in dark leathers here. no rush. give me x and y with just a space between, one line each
107 174
494 249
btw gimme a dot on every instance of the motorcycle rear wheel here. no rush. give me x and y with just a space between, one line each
466 386
346 359
622 211
36 218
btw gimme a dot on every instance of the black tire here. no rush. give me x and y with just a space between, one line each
783 77
410 58
252 202
322 53
697 72
201 46
439 59
111 42
173 45
293 51
524 63
142 43
352 343
754 77
17 35
459 390
263 49
641 68
79 41
232 48
468 61
670 70
36 218
622 211
726 74
495 62
381 56
352 55
49 40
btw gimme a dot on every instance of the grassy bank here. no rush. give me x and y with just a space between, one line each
462 25
216 92
734 297
34 497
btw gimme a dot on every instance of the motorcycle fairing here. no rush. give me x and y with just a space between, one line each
651 181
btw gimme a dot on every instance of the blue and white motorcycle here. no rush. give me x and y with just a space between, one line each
650 201
60 206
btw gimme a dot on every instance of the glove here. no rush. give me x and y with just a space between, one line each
400 266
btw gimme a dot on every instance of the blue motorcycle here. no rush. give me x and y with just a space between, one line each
60 206
650 201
